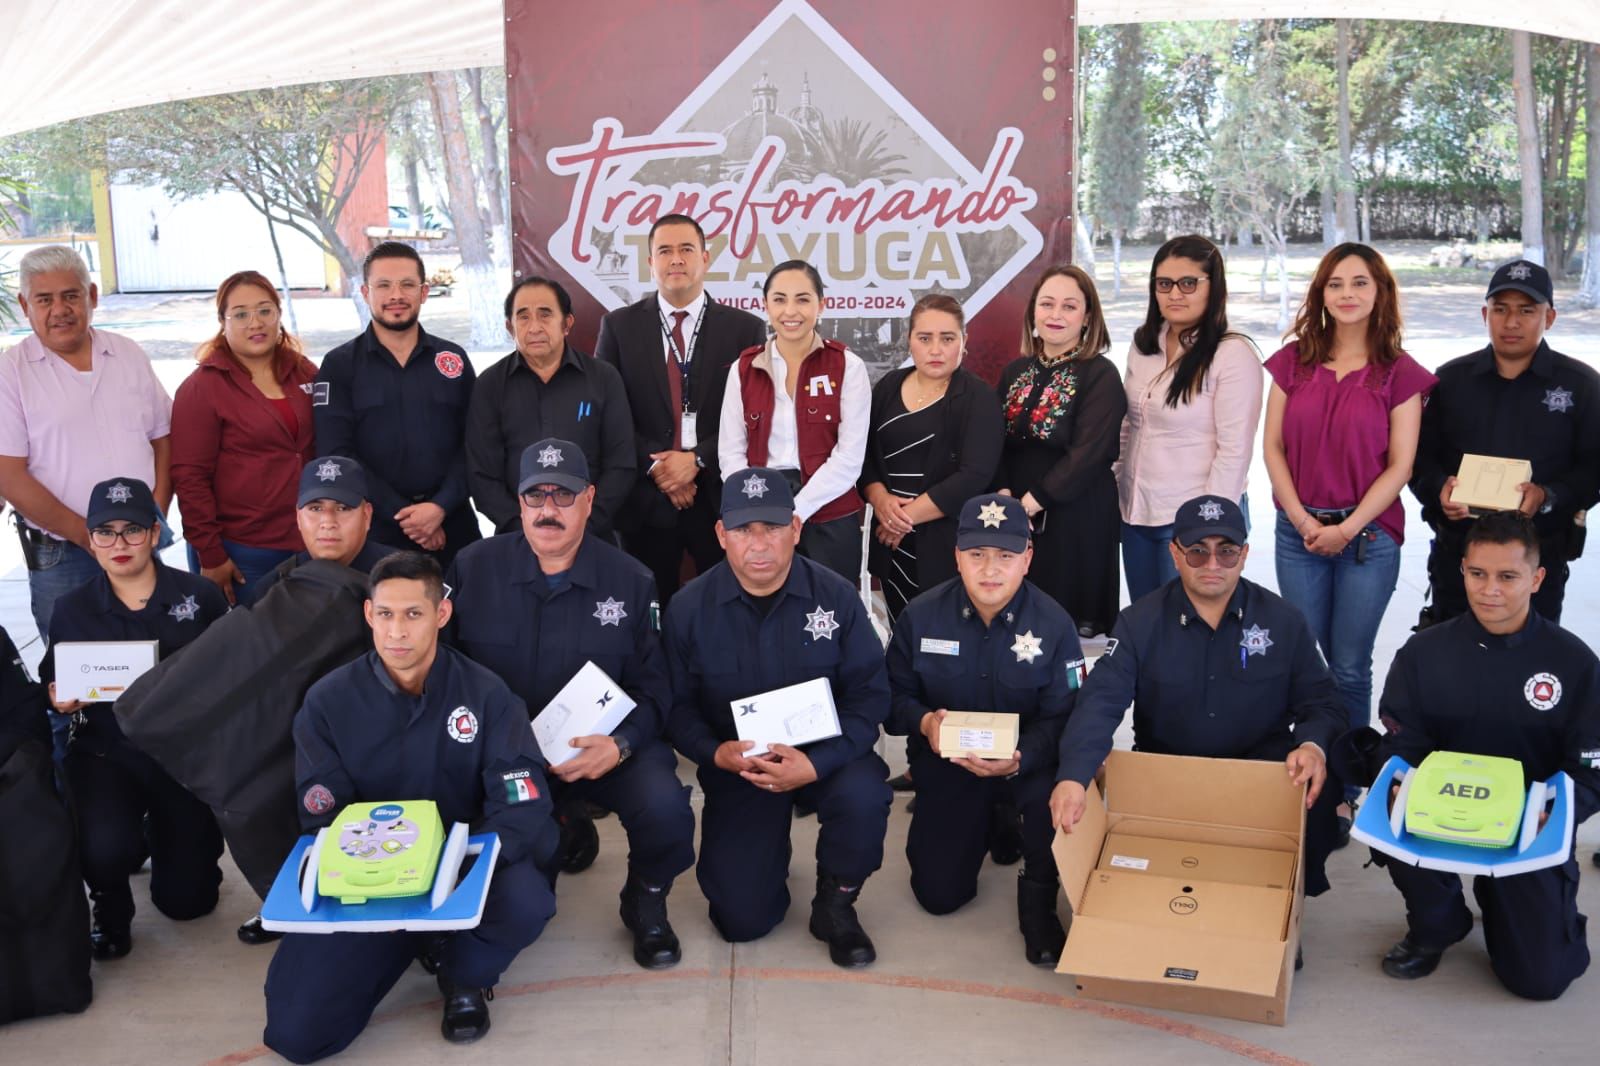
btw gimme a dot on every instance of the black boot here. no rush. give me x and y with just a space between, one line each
1042 935
466 1011
833 919
1005 834
110 937
644 912
252 932
580 841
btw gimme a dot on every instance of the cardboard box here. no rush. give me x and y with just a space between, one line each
99 671
1186 883
795 715
1488 483
589 704
986 734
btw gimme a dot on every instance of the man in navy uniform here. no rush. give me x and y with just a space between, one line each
395 397
534 606
673 349
413 720
126 805
334 513
1501 680
986 640
1216 666
1517 398
763 619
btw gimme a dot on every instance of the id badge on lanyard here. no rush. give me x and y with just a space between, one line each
680 360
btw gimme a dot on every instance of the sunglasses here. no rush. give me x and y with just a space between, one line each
560 497
1227 556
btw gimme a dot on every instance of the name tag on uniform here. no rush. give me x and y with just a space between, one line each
688 433
941 647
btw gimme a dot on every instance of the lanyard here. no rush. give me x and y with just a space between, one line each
680 357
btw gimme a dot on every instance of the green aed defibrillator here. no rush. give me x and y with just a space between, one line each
1466 799
381 850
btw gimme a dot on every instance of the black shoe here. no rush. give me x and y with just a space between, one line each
1042 935
644 912
1409 960
580 841
1342 838
595 811
833 919
1005 834
466 1011
428 954
1299 959
252 932
903 783
106 942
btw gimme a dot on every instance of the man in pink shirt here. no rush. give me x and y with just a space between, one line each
77 406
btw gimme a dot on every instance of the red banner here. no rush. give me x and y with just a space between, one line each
901 147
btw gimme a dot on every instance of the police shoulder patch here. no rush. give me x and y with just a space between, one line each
462 725
318 800
519 786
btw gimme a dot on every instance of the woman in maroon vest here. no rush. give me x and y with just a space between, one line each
1063 404
802 405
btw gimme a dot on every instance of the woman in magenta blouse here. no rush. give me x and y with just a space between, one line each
1341 432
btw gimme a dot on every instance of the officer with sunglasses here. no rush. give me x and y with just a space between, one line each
1215 666
534 606
114 785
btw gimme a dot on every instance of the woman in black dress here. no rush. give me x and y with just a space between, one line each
935 442
1063 404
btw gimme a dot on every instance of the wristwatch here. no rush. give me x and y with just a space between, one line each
624 749
1549 500
700 464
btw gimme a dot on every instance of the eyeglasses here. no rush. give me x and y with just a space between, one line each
560 497
1188 283
106 537
410 286
1227 556
265 314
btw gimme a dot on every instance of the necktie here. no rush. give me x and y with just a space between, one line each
675 377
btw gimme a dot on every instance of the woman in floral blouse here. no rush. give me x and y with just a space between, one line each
1063 403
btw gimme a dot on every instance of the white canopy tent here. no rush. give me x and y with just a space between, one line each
62 59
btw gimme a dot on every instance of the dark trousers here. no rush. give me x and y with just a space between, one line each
323 988
745 849
654 808
1449 589
661 548
835 544
112 794
949 834
1531 923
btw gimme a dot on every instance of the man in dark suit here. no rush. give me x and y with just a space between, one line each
673 349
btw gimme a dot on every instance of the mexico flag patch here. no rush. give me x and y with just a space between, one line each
519 786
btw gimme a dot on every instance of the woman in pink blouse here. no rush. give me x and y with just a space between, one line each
1342 424
1194 392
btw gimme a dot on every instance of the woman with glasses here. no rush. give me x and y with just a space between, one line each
934 444
1343 418
125 805
241 434
1194 391
1062 405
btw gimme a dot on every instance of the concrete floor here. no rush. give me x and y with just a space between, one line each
945 990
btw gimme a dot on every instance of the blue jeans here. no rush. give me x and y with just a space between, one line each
253 564
63 567
1343 602
1146 559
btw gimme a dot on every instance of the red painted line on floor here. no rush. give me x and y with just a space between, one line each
1108 1011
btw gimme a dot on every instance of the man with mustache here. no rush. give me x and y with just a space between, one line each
396 399
534 606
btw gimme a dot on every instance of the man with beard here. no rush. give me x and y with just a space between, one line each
395 398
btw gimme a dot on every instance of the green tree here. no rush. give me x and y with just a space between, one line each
1118 144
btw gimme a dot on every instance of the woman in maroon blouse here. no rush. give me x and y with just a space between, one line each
1342 423
241 433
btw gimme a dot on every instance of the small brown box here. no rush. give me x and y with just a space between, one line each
986 734
1489 483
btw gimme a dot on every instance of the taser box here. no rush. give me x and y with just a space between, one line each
986 734
382 850
1489 483
1466 799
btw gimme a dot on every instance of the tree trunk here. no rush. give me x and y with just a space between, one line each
1116 262
1084 240
476 265
283 277
1589 288
1528 156
494 182
1281 252
1330 216
409 167
1345 208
